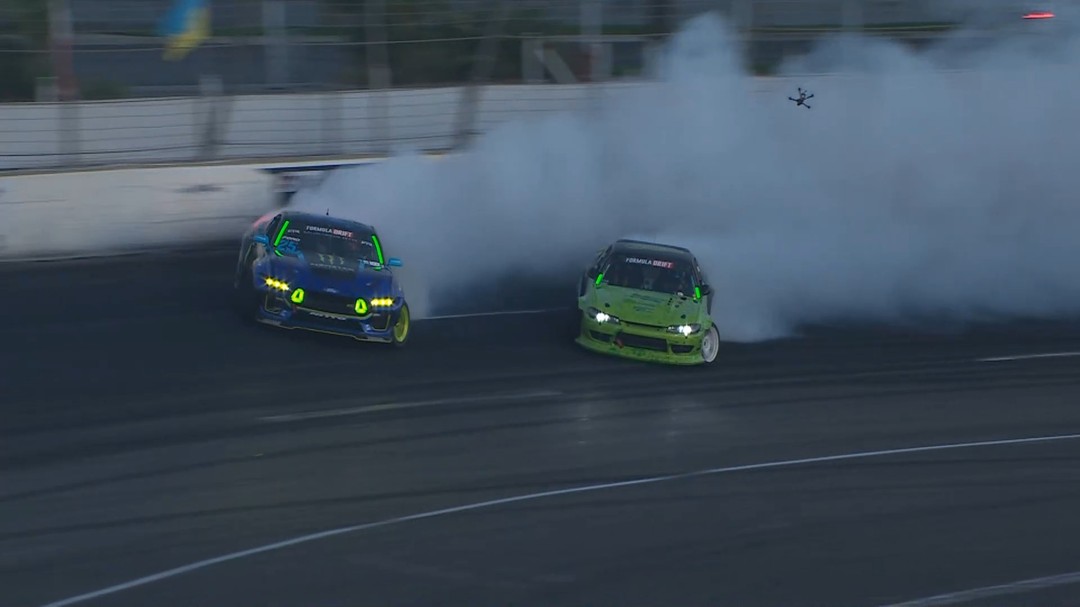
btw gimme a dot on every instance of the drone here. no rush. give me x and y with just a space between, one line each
803 97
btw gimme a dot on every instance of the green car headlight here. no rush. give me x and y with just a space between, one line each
684 330
601 317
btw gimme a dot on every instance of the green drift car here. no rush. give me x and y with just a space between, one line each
649 302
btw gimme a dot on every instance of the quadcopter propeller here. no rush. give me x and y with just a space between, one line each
803 97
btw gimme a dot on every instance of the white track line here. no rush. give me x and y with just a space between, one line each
954 598
170 573
506 313
293 417
998 359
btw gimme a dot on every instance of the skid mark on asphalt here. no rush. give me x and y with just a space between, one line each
295 417
998 359
170 573
489 314
966 596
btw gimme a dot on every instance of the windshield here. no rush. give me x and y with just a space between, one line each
330 245
650 273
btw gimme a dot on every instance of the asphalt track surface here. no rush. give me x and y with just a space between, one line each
145 428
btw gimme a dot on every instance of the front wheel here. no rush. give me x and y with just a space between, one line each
402 327
710 345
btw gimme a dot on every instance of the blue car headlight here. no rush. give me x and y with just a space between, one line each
601 317
383 302
275 285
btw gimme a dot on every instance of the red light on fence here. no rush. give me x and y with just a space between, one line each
1039 15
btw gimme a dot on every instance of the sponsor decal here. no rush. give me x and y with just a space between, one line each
656 263
328 315
331 231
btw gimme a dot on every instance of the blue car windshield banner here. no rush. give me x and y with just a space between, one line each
328 245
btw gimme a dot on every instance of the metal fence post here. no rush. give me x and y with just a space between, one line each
210 89
483 64
70 133
378 64
532 68
275 43
332 116
743 18
592 29
852 26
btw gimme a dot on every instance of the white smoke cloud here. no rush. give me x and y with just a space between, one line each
905 193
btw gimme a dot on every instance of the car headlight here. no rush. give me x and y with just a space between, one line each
279 285
382 302
684 330
601 317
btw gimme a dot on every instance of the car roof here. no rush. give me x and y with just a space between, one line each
327 220
626 245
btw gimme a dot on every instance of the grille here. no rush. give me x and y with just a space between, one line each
325 302
379 321
638 324
646 343
272 304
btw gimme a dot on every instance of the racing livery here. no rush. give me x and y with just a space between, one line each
306 271
647 301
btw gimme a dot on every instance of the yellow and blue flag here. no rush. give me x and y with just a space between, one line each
185 26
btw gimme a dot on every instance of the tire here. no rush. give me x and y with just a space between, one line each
710 345
403 327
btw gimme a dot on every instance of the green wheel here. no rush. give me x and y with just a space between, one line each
402 326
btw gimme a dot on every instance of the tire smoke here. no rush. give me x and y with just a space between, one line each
907 193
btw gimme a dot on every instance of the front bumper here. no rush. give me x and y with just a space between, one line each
640 342
376 326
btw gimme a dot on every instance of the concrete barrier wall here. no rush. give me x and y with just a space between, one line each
57 214
352 123
108 211
349 123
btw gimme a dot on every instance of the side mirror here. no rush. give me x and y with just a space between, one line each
592 273
706 290
394 262
262 239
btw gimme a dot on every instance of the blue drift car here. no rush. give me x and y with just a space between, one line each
323 274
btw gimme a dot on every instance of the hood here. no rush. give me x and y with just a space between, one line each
647 307
352 280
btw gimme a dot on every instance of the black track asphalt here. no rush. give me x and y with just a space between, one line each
144 427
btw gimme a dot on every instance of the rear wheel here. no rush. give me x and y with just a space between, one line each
710 345
402 326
